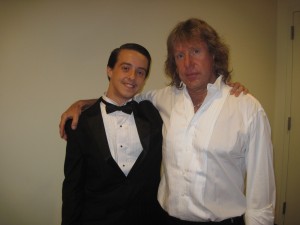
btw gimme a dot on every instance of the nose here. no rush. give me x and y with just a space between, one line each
132 74
187 60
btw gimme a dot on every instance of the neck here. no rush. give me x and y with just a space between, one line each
116 100
197 97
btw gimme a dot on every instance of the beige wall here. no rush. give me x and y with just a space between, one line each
54 52
282 96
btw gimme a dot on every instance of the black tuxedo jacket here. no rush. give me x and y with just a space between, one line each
95 190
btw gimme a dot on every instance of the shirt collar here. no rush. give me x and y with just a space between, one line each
213 87
112 101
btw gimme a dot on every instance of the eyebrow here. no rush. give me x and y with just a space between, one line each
129 64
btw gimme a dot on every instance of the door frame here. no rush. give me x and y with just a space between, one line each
287 114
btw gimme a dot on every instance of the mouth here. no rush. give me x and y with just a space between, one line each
191 76
130 85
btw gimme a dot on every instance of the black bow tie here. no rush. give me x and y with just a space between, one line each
112 108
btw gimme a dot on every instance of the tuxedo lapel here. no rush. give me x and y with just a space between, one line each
97 129
144 130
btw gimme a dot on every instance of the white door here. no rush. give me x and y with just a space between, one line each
292 212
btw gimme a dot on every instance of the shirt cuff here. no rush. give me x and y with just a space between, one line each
264 216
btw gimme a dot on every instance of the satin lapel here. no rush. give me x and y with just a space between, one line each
144 129
97 130
96 125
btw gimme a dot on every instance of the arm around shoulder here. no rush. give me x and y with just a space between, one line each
73 112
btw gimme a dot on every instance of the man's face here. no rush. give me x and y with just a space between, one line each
194 64
128 76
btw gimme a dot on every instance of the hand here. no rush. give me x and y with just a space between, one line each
237 88
73 112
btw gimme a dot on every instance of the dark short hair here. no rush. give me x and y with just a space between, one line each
129 46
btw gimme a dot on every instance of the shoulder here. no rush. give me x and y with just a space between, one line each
93 110
168 91
246 104
153 95
147 110
243 100
248 100
146 106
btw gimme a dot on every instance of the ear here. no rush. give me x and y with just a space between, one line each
109 72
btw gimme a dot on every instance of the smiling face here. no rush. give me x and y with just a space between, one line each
128 76
194 64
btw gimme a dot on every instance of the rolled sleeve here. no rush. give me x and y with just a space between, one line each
260 191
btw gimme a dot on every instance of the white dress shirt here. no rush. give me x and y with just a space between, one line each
208 156
123 139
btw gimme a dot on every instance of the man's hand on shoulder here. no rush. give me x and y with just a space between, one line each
237 88
73 112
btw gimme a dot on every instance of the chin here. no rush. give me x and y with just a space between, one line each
130 94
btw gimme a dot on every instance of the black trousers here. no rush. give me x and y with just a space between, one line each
170 220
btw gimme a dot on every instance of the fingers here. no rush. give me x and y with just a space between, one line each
241 89
75 121
73 112
246 91
237 89
230 83
62 123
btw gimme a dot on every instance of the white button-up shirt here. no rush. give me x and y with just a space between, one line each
218 162
122 135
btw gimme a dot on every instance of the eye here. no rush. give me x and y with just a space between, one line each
125 68
179 56
141 73
195 51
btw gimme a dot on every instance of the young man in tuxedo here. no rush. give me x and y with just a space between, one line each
113 158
